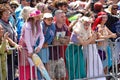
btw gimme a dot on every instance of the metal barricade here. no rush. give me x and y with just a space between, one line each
102 66
13 67
27 70
86 65
115 68
117 57
86 62
77 62
57 69
7 66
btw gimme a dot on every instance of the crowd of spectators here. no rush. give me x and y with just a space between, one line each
35 25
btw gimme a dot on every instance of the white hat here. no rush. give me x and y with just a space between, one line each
47 15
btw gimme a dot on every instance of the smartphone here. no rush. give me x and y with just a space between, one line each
96 29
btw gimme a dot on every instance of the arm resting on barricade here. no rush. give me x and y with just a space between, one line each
86 42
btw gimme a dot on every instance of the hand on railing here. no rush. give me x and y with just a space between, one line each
37 49
18 47
61 41
113 35
29 55
45 45
93 38
64 40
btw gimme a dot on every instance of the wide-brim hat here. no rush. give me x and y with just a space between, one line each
35 13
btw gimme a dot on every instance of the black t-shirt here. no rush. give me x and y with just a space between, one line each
110 22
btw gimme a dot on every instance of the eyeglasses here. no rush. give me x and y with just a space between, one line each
65 5
28 0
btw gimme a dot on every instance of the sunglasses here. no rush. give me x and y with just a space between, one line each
114 8
49 19
26 0
13 6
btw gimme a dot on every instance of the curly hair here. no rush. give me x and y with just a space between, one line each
3 8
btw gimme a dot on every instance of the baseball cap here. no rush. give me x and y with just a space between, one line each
47 15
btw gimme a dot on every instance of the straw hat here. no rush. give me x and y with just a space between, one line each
15 2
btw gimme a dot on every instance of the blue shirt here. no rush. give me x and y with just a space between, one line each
18 11
49 32
20 20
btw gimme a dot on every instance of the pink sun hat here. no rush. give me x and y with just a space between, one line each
35 13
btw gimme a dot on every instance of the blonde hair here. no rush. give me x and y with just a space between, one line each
40 6
79 28
26 12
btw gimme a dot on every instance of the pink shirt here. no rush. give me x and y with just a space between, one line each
30 39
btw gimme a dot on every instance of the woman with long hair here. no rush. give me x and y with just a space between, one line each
104 33
30 33
81 36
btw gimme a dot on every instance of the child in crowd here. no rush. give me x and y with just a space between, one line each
31 31
48 29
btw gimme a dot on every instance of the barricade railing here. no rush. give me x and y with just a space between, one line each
26 71
113 70
8 64
117 57
70 65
